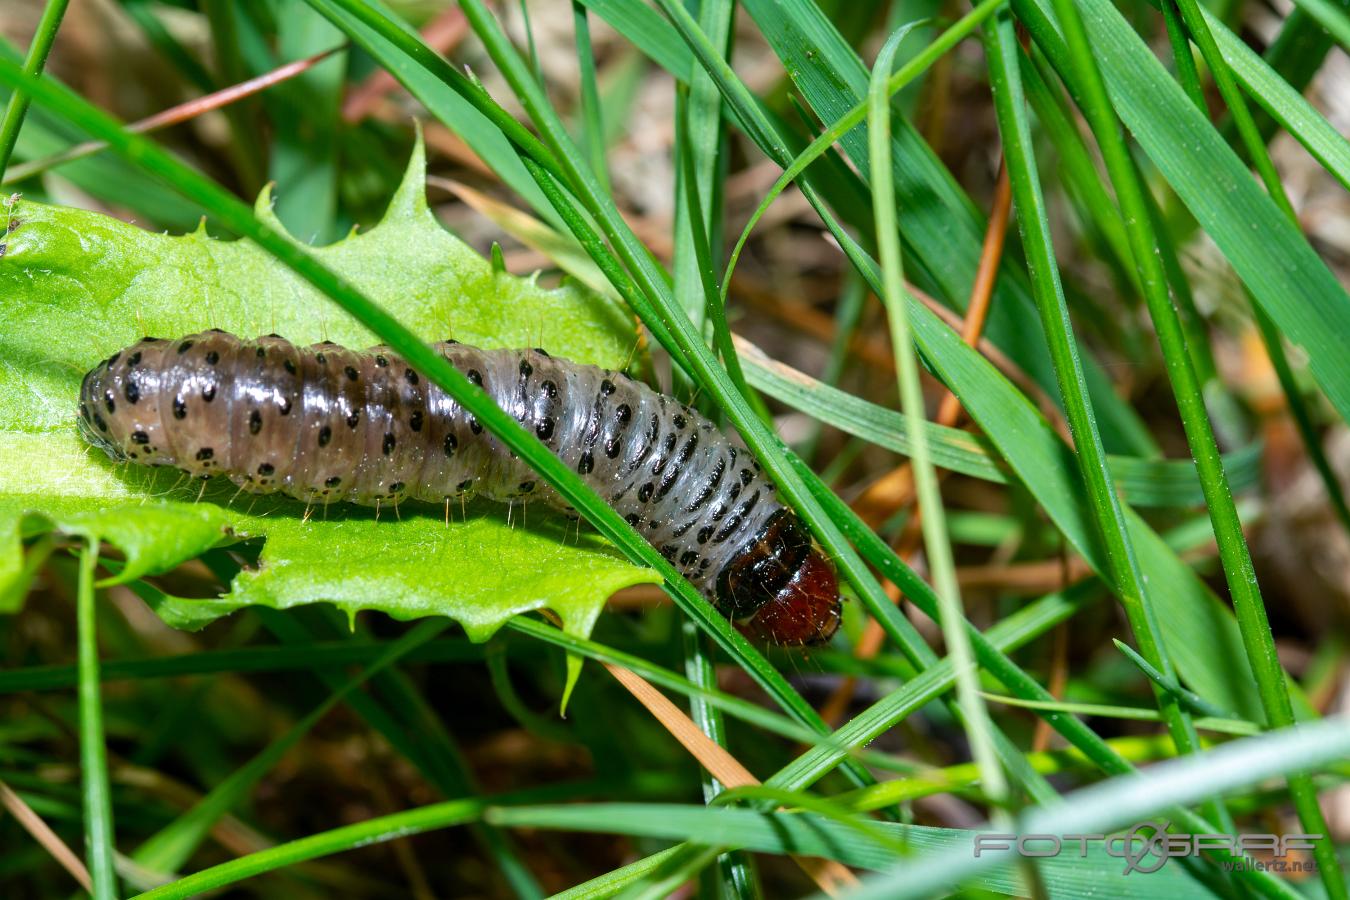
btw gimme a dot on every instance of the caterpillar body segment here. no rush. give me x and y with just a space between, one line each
327 424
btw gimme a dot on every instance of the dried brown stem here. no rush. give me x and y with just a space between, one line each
43 834
829 875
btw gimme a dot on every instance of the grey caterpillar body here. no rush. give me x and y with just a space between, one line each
328 424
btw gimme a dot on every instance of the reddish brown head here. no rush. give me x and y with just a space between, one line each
805 611
780 588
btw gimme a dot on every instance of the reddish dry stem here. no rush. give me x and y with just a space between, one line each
175 115
896 489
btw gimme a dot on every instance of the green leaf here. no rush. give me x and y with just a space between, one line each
72 272
155 539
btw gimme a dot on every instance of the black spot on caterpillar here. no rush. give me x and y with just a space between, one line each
336 425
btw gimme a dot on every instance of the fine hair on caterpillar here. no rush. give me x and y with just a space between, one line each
326 424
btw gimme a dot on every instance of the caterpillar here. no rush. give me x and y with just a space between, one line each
327 424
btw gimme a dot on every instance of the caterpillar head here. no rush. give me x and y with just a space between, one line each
781 588
119 408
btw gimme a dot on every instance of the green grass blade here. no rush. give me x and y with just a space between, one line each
678 869
847 317
735 874
1280 99
1142 482
1221 724
1238 567
431 80
613 882
948 778
1104 504
1187 74
1121 802
975 715
325 843
1078 168
592 131
17 107
907 73
98 813
1101 216
529 42
648 31
249 659
1298 411
1192 700
1254 143
1285 276
699 176
1330 17
694 241
944 232
1237 106
807 832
